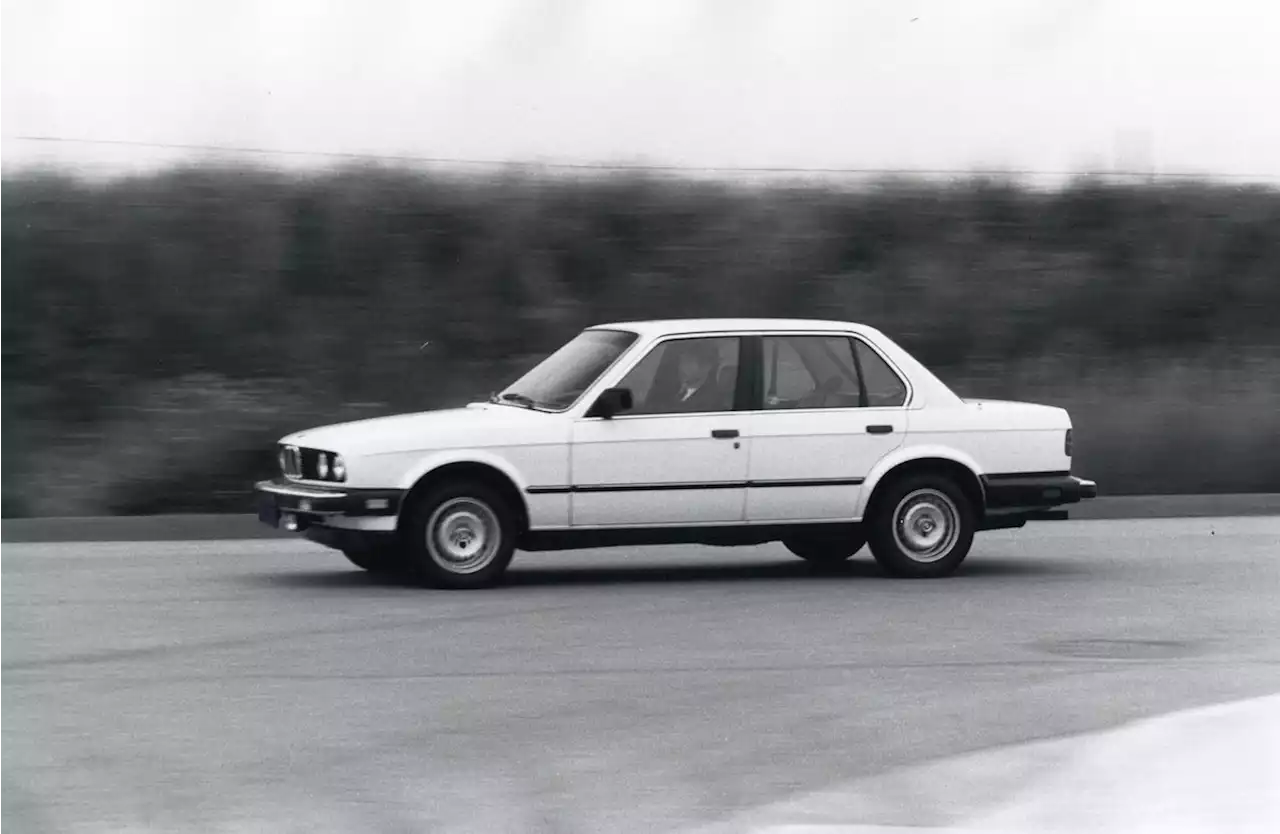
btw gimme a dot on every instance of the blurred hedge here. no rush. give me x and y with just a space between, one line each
160 331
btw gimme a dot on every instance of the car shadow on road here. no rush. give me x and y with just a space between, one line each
532 574
343 579
528 573
793 571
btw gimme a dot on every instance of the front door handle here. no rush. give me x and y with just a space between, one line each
724 433
879 429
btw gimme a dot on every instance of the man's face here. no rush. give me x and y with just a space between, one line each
693 368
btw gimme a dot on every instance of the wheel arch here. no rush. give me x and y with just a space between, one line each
957 465
479 467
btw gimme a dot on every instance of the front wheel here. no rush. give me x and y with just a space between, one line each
921 527
459 535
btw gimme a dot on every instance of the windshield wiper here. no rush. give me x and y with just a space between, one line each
518 399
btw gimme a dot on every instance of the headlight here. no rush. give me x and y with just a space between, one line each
339 468
290 460
322 466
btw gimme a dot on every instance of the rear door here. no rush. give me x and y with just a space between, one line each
832 407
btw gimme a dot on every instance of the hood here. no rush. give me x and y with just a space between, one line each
476 425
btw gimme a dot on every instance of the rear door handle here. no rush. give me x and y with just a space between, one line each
724 433
879 429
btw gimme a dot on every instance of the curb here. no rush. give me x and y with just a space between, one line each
212 527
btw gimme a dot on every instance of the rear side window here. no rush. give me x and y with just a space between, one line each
809 372
884 387
803 372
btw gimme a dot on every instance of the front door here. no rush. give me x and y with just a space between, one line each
679 456
832 409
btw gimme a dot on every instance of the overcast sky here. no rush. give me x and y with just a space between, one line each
1167 85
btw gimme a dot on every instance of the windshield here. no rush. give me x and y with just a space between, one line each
560 379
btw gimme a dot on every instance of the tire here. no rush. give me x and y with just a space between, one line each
921 526
375 559
459 535
826 549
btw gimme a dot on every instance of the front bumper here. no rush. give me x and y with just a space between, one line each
295 506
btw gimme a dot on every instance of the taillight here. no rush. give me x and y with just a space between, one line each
1066 444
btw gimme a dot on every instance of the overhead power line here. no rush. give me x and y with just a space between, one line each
440 160
657 168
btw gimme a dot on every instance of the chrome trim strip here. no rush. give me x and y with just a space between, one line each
298 491
780 483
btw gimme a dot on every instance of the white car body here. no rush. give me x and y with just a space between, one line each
576 473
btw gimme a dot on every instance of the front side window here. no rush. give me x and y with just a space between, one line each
559 380
682 376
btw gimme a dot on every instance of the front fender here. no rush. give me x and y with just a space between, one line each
435 460
906 454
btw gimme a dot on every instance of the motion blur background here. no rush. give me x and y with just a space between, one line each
227 221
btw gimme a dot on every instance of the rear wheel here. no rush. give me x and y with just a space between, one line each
459 535
921 526
826 549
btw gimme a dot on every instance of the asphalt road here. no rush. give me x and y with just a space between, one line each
265 685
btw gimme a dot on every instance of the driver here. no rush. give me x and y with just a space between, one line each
698 366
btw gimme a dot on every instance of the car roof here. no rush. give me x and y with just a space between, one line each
666 327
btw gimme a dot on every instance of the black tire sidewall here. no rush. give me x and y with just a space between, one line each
413 534
884 543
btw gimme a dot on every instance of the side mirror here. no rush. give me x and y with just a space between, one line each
610 402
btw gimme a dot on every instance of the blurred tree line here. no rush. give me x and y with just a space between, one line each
161 330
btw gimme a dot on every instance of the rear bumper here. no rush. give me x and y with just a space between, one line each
1015 498
284 503
1036 490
